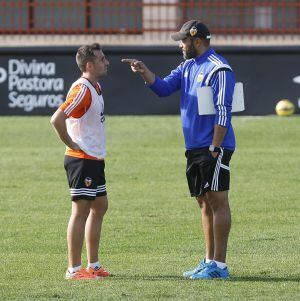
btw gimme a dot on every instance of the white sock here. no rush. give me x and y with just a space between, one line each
74 269
221 265
208 260
94 265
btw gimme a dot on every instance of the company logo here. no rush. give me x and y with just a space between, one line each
296 79
3 75
193 31
32 84
102 117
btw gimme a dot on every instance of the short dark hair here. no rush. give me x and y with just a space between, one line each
86 54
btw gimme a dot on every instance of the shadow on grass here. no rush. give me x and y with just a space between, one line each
264 279
181 278
148 278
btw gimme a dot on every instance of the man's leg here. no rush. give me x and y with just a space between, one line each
75 232
207 223
93 227
219 204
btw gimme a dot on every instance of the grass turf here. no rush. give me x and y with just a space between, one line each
152 231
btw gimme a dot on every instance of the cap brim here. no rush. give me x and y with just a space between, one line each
178 36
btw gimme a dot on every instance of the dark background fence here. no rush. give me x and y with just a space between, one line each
35 81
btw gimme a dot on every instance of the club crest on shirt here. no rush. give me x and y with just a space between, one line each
200 77
88 181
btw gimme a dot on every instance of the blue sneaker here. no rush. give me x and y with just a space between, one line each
211 271
200 267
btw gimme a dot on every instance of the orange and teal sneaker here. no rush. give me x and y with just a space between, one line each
98 272
82 274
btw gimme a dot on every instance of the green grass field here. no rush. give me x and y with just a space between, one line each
151 233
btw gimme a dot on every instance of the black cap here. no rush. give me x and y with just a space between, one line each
192 28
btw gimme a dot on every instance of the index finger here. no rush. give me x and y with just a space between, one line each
130 61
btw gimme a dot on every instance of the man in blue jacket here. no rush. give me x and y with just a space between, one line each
209 139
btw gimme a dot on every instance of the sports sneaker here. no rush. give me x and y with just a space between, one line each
98 272
201 266
211 271
82 274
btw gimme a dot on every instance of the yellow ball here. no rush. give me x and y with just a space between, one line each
285 107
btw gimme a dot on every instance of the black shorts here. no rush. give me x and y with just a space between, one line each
205 173
86 178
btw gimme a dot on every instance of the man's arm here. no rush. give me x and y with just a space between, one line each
222 83
219 134
58 121
161 87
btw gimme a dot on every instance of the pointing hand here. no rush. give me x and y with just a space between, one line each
136 65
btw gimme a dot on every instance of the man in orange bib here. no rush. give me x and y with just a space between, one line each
80 124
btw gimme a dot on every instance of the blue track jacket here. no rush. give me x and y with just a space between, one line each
208 69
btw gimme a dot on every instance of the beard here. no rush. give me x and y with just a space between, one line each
190 53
